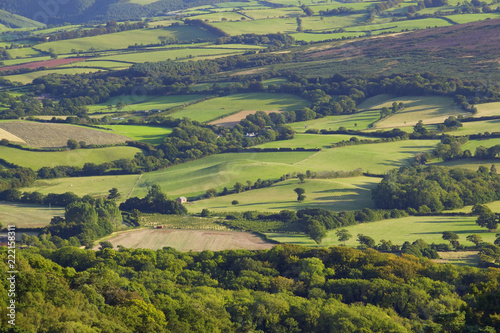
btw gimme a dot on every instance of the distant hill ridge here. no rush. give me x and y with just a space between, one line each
82 11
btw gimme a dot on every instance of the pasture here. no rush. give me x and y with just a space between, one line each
318 23
429 109
356 121
48 135
77 157
28 78
411 228
283 25
187 240
488 109
479 127
321 141
473 144
318 37
143 102
219 107
150 134
469 163
466 18
121 40
378 28
334 194
27 215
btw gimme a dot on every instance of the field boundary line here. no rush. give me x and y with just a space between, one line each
305 159
135 184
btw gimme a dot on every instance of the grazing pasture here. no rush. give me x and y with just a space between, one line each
311 141
334 194
411 228
48 135
188 240
153 135
488 109
28 78
479 127
27 215
234 119
355 121
283 25
212 109
77 157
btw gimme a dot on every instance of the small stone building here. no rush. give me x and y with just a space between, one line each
181 200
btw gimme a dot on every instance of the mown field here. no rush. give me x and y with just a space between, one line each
311 141
479 127
188 240
219 107
26 215
153 135
77 157
334 194
357 121
428 228
488 109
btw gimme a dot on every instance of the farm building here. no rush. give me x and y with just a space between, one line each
181 200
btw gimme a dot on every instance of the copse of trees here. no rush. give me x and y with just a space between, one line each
154 202
434 188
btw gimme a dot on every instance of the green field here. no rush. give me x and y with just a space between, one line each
334 194
479 127
473 144
310 141
25 52
488 109
121 40
428 228
356 121
218 16
26 215
284 25
316 23
153 135
77 157
219 107
264 13
317 37
27 78
468 163
466 18
376 29
428 109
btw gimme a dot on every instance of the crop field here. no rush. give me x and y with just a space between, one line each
311 141
188 240
46 63
182 222
488 109
102 64
376 102
11 137
356 6
11 62
27 78
264 13
334 194
285 25
428 109
43 135
121 40
411 228
234 119
356 121
153 135
222 106
140 101
479 127
77 157
140 57
26 215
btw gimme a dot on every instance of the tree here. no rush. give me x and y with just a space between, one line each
487 219
105 245
476 239
239 187
300 194
113 193
366 240
301 177
317 231
343 235
210 193
451 237
205 213
73 144
234 202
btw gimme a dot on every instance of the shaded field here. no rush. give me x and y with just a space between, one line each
469 163
27 78
121 40
334 194
77 157
310 141
428 109
224 170
466 18
219 107
44 135
141 102
469 258
356 121
188 240
488 109
234 119
26 215
479 127
411 228
153 135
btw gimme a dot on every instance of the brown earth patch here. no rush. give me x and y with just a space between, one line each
234 119
45 135
188 240
45 63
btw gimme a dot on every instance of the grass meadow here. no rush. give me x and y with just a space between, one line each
310 141
27 78
411 228
153 135
27 215
488 109
334 194
356 121
77 157
219 107
479 127
283 25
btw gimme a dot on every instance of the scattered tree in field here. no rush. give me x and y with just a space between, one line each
301 177
239 187
234 202
300 194
73 144
476 239
105 245
317 231
486 218
120 105
210 193
113 193
205 213
452 238
343 235
366 240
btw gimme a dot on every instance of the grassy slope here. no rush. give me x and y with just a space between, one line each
309 141
356 121
78 157
27 216
153 135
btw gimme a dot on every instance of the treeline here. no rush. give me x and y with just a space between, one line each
285 289
154 202
432 189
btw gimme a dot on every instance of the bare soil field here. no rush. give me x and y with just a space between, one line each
9 136
46 63
234 119
188 240
44 135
